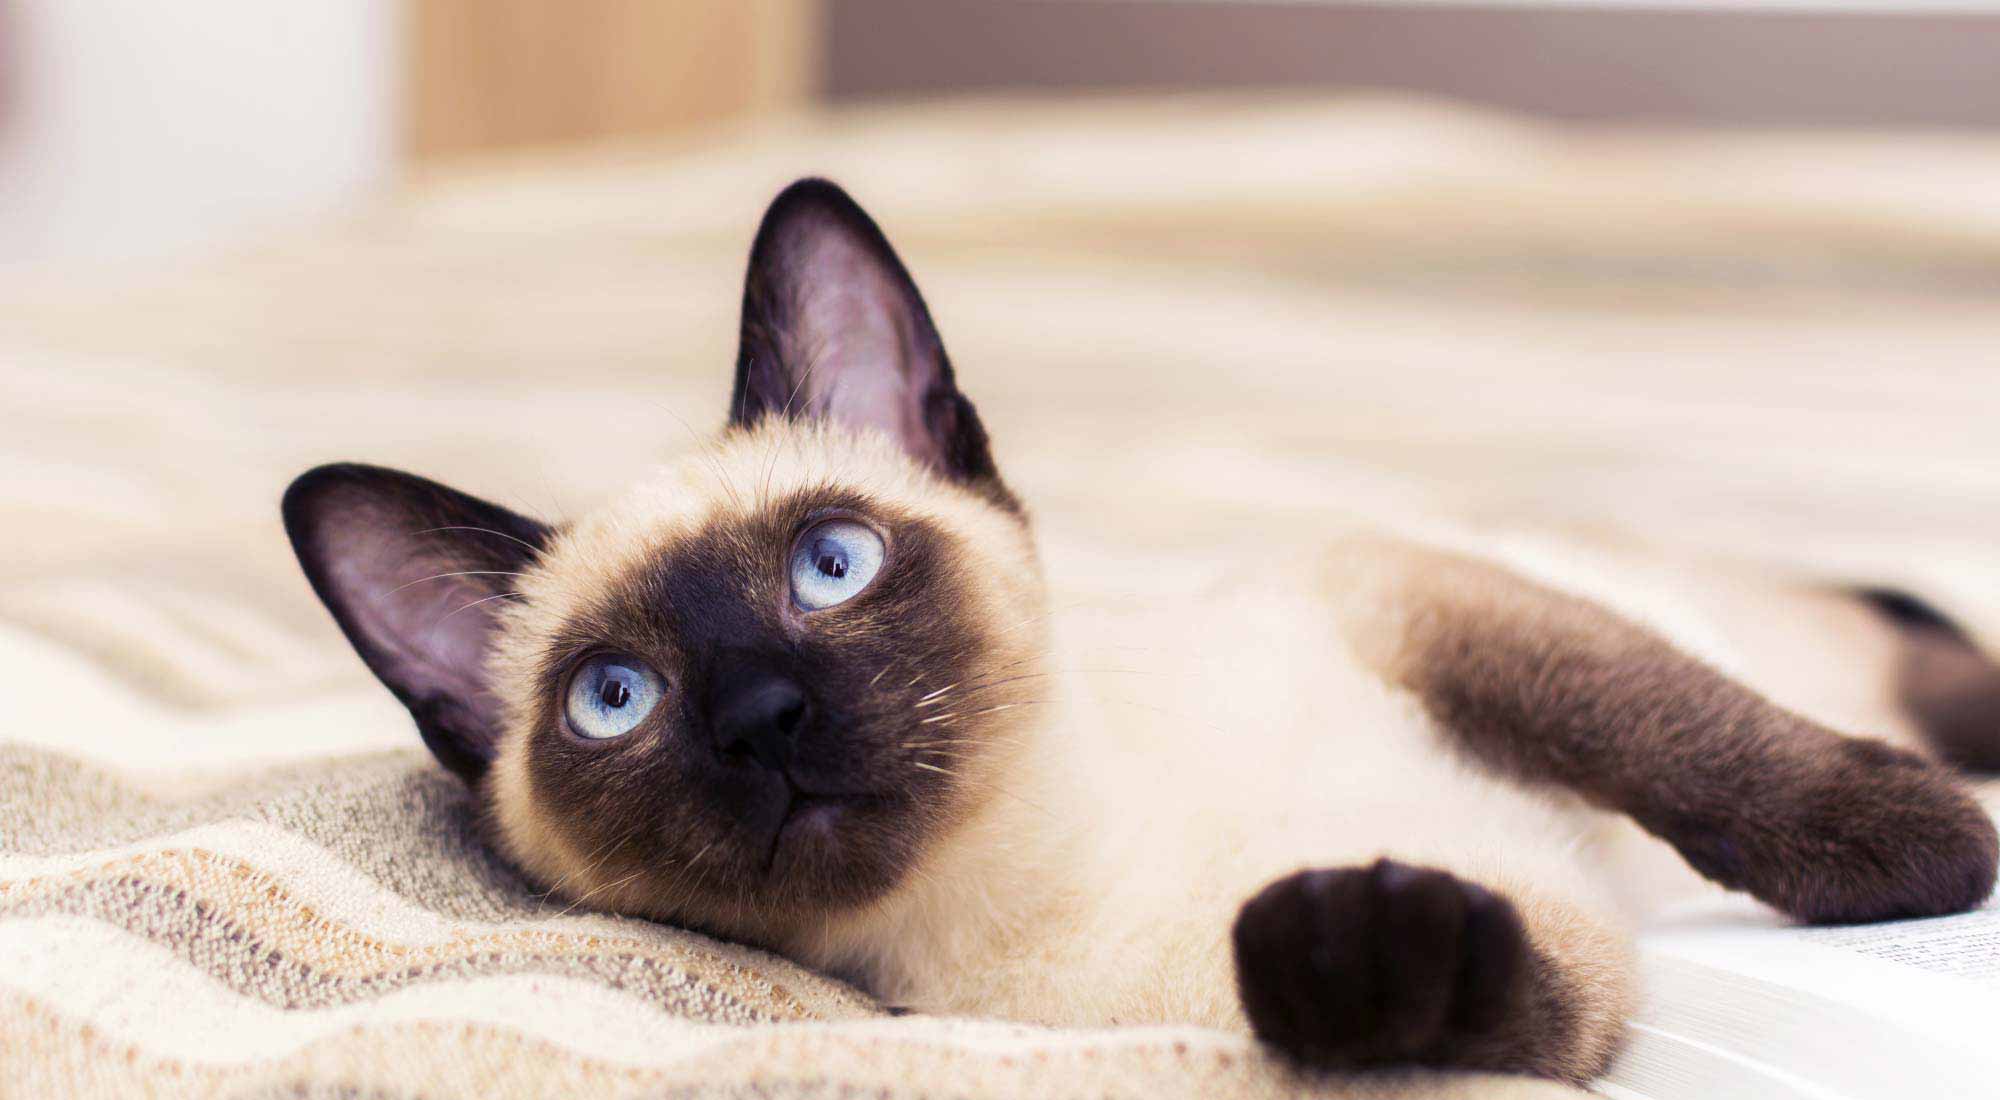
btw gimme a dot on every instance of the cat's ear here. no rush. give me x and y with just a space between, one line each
834 328
414 573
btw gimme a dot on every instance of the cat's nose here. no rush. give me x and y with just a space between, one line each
760 720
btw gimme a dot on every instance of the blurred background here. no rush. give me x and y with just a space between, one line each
1721 277
130 128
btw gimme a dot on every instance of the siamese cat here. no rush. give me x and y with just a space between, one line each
801 689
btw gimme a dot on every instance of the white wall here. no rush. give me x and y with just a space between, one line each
139 129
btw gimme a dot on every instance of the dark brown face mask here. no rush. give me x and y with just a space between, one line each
785 745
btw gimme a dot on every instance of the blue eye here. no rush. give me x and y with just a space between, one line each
611 694
834 562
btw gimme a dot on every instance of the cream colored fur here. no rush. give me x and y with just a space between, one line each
1187 749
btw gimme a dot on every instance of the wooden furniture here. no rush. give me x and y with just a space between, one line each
501 74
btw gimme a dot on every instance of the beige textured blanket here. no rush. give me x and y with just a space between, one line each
1193 326
335 930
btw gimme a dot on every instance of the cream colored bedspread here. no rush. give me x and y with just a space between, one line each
1193 326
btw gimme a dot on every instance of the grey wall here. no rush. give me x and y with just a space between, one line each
1747 67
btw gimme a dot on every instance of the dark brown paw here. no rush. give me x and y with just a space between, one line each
1854 831
1387 963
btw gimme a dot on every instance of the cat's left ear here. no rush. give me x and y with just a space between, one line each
833 328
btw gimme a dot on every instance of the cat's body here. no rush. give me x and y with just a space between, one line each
971 801
1187 749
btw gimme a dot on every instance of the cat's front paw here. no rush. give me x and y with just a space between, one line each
1385 963
1854 831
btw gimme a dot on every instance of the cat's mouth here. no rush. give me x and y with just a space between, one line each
809 830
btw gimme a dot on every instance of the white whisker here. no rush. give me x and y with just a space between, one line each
594 891
473 604
460 573
702 880
780 439
706 450
485 531
933 696
597 858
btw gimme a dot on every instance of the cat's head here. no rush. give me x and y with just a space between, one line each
761 685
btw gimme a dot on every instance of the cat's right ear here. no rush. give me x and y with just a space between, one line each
414 573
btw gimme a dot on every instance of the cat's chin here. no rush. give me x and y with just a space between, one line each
816 831
822 852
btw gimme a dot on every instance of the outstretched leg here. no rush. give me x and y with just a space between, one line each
1551 689
1950 687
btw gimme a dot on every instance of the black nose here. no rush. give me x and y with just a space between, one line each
760 720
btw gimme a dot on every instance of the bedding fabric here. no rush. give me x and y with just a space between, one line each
335 929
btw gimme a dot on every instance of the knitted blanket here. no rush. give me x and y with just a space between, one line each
336 929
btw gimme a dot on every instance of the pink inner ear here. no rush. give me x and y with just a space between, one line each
857 336
438 629
416 574
435 628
